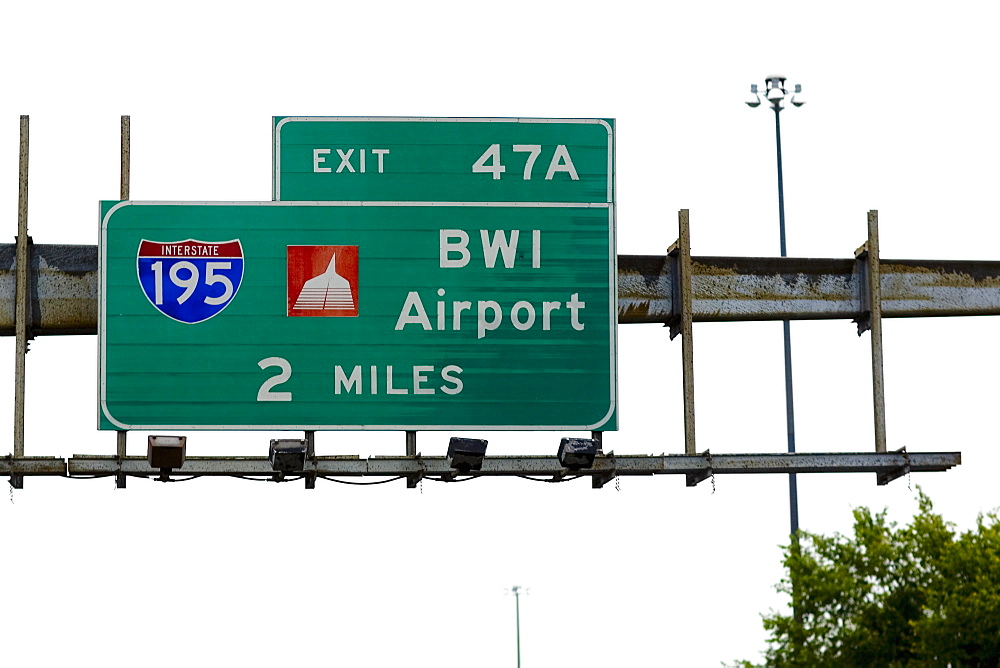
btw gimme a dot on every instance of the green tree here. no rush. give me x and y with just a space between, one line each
917 595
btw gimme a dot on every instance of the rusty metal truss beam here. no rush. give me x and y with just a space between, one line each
63 288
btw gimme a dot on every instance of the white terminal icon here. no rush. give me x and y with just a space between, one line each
328 291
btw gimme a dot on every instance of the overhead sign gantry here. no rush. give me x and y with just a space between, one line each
195 282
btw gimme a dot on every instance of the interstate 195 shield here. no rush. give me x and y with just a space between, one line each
190 281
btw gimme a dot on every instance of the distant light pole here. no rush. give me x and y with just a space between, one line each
776 94
517 590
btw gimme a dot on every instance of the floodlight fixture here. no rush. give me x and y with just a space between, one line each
797 97
166 452
776 93
287 455
578 453
466 454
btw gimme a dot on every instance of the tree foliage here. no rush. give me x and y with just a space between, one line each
917 595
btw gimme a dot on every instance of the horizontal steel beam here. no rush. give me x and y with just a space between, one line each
764 288
540 466
64 282
62 289
22 466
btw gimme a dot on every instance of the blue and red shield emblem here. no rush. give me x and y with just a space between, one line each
190 281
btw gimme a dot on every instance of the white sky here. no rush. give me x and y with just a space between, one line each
900 117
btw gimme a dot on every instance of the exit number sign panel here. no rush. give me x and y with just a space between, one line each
443 159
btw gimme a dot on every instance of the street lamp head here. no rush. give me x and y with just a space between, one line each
776 93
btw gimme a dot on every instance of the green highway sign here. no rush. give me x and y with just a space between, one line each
358 314
443 159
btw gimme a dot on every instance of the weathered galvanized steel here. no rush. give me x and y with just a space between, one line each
32 466
63 288
704 464
758 288
22 306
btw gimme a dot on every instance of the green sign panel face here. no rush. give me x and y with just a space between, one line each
362 315
443 159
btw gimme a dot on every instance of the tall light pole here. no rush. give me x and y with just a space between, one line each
776 94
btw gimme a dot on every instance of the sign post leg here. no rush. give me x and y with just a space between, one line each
123 435
681 252
21 313
411 451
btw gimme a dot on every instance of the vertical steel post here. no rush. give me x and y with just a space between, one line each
124 195
122 437
310 439
793 491
310 477
683 250
126 158
875 306
411 451
21 314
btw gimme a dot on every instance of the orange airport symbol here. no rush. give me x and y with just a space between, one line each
322 281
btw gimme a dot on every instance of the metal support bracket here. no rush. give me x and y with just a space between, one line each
415 478
888 476
694 478
598 480
16 481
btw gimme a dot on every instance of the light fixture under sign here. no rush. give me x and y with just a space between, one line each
578 453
